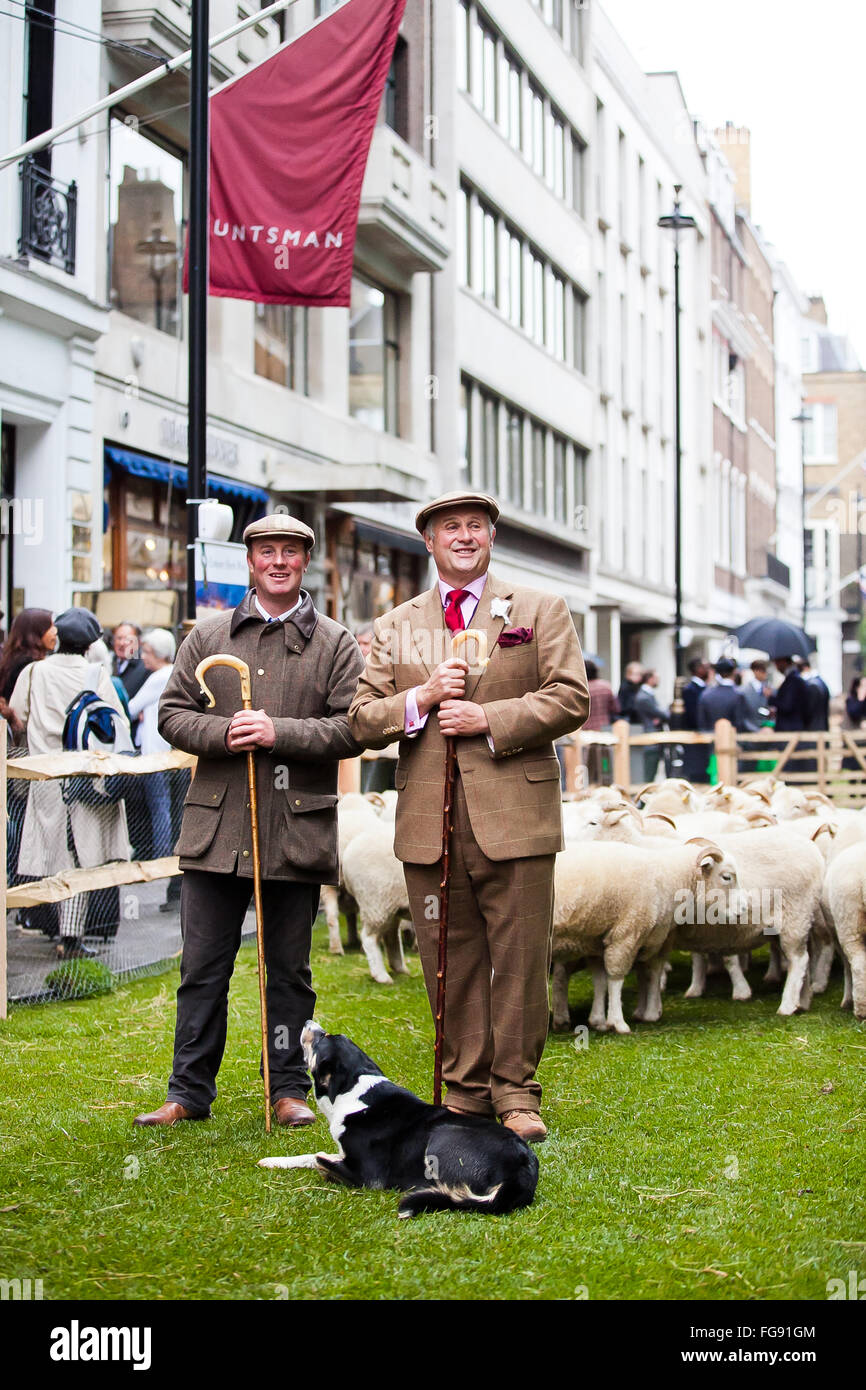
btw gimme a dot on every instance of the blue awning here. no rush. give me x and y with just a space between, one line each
146 466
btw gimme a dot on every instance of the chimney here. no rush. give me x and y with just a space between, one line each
734 142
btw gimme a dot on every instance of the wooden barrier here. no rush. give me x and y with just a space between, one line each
811 760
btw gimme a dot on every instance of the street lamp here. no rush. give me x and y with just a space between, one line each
677 222
160 253
803 420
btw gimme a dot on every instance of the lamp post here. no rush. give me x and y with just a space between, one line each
161 253
802 420
199 156
677 222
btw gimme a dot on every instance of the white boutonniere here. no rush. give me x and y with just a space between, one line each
499 608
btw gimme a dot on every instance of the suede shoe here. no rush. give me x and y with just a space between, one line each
292 1111
527 1124
168 1114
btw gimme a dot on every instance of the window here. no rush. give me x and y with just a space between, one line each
820 441
576 29
622 173
145 220
578 175
280 351
489 443
538 300
464 431
579 301
463 237
579 486
476 247
539 471
514 428
489 280
488 91
515 280
395 98
462 47
373 357
560 502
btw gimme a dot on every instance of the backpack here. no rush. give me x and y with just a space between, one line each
93 725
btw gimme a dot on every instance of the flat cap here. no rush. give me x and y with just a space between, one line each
279 525
450 500
77 627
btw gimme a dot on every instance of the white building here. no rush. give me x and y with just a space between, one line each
523 121
643 146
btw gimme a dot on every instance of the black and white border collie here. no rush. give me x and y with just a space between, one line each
389 1138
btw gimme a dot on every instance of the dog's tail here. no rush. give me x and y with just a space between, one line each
516 1191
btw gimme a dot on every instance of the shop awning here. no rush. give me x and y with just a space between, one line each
146 466
392 540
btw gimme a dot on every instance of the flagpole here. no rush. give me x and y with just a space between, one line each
199 148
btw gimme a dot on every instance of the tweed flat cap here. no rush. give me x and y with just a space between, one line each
78 627
457 499
279 525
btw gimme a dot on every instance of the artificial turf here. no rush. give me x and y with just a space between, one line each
718 1154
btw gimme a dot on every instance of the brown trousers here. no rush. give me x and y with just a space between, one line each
496 1005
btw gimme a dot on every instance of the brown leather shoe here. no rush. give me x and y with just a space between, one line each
168 1114
527 1124
289 1110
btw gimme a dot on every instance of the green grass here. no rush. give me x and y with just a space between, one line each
719 1154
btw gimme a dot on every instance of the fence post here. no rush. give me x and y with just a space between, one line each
3 789
621 753
726 751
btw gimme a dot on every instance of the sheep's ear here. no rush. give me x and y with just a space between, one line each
615 787
762 796
708 855
826 827
374 798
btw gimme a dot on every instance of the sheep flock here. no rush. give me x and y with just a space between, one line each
714 872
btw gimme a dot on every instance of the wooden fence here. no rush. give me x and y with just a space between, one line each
833 763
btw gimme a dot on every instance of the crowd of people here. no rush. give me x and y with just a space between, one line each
798 701
46 665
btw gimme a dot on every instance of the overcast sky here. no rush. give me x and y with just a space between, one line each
794 72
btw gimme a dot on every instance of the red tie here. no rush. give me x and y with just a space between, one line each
453 613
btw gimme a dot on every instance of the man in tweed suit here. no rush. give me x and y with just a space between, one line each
507 812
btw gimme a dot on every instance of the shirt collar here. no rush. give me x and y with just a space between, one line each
724 680
476 588
280 618
697 680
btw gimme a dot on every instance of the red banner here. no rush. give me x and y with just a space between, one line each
289 146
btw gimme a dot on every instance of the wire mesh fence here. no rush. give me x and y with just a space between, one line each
92 887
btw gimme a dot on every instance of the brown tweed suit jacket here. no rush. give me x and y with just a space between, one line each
532 693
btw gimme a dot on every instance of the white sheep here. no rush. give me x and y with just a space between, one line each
355 813
844 901
780 886
373 876
614 905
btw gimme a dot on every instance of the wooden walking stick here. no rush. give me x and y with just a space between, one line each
243 670
457 641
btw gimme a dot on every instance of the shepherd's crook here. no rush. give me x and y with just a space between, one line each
474 634
243 670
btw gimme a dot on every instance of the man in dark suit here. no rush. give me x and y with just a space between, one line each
819 698
696 756
791 701
722 700
756 693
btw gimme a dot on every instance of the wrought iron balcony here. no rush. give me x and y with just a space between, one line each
48 210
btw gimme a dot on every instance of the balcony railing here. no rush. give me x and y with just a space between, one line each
48 210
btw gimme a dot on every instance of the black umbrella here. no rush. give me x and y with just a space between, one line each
775 637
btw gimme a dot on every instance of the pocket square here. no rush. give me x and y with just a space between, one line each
514 636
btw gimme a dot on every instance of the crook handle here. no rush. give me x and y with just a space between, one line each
480 638
224 659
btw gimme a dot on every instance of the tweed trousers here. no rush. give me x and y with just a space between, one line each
499 933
